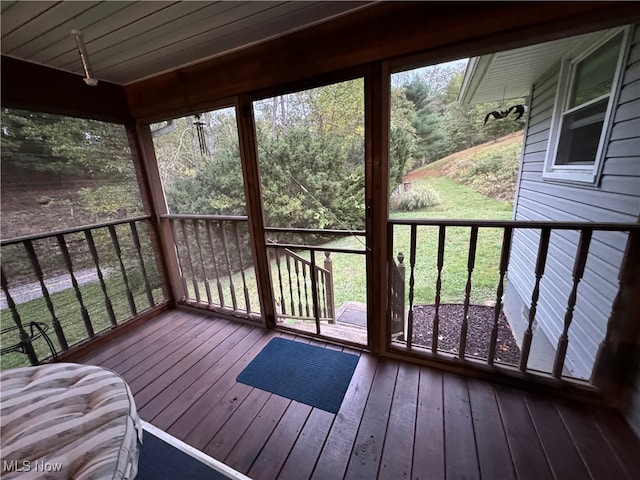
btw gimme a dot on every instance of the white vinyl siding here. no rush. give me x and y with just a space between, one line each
616 198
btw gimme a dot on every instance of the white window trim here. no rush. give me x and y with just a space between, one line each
580 174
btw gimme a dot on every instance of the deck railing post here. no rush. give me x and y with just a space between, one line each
616 355
328 266
541 261
578 271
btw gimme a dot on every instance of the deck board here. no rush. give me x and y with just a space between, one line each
396 421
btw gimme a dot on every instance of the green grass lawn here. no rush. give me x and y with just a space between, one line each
349 271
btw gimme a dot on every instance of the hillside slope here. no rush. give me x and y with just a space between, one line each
490 168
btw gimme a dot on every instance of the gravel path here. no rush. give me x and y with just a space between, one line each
30 291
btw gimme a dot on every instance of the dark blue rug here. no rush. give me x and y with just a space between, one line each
305 373
159 460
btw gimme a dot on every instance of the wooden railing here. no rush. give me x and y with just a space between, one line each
297 281
544 231
77 283
216 263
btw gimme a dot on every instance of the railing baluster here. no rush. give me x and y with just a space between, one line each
226 255
314 292
321 278
196 289
295 264
181 262
282 302
57 327
291 296
578 271
215 262
412 264
244 280
94 255
328 266
504 262
471 261
145 277
306 288
541 261
436 316
196 232
24 337
62 243
116 246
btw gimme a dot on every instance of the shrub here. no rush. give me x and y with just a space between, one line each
418 198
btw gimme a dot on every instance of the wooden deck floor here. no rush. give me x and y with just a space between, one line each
397 420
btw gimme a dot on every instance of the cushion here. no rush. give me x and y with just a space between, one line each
67 421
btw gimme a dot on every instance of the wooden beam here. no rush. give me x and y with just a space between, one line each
377 124
155 205
251 177
384 31
35 87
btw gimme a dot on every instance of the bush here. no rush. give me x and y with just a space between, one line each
418 198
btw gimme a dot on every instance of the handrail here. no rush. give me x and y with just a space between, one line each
221 218
304 260
435 222
40 236
316 231
315 248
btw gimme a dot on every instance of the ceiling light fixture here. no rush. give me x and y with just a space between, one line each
89 80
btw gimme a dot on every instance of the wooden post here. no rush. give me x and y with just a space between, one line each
377 87
155 205
412 268
401 289
331 305
251 177
616 364
442 233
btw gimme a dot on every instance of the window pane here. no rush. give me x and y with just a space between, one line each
581 135
60 172
594 74
199 161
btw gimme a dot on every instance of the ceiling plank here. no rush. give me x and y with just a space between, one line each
232 35
21 13
127 34
62 32
165 35
4 5
412 31
34 87
45 22
99 29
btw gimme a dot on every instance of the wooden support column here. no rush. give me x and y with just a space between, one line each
377 89
251 176
155 205
617 360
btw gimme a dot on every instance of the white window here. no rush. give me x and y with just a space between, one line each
586 95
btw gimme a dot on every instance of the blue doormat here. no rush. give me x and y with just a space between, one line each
160 460
305 373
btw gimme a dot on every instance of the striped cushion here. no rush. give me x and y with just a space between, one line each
64 420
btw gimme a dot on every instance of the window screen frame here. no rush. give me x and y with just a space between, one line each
584 174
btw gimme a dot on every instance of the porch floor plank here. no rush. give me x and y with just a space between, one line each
396 421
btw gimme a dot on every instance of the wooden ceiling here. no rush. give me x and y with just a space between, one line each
131 41
156 60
